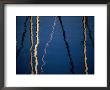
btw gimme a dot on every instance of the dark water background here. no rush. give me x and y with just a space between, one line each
57 60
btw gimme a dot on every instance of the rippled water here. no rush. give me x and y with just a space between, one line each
56 58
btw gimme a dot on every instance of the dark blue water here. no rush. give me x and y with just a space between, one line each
56 59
